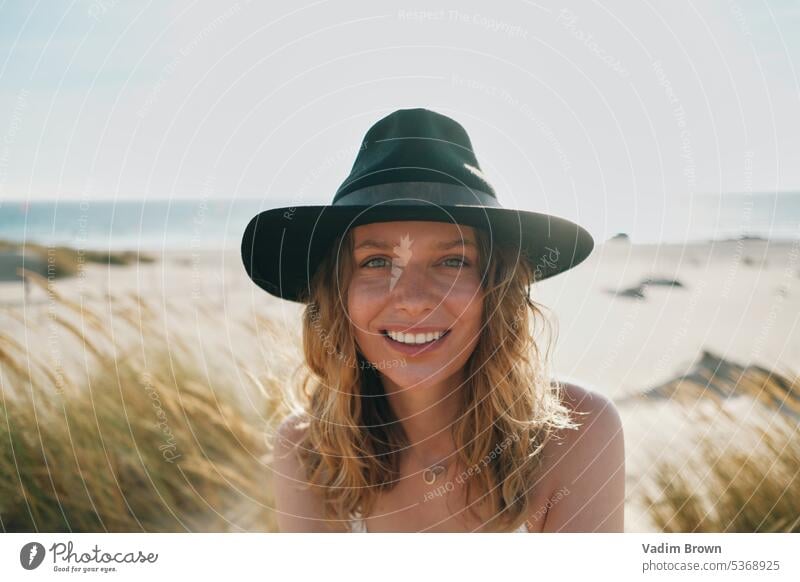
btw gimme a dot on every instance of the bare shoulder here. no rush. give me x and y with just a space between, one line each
585 467
297 507
595 412
290 432
598 423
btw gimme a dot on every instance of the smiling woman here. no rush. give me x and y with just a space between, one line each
429 405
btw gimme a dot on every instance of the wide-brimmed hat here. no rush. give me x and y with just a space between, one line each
414 164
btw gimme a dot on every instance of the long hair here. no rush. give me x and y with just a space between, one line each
508 407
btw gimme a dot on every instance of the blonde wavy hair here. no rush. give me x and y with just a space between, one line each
350 449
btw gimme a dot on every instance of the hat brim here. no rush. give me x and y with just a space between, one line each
282 247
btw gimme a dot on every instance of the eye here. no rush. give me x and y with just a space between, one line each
375 263
457 262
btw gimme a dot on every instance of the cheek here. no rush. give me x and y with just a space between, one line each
473 320
466 299
363 304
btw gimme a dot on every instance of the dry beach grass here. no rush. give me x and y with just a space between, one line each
145 440
745 481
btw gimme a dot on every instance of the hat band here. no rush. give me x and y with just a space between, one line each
437 193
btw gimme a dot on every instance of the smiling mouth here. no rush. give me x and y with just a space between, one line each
415 339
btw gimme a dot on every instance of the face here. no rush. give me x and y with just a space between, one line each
415 299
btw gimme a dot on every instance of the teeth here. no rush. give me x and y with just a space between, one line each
410 338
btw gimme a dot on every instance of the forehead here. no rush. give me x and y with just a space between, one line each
422 230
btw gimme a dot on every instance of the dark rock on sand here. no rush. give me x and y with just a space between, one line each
636 292
716 378
13 260
662 282
751 262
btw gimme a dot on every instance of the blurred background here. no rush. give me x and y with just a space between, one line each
142 374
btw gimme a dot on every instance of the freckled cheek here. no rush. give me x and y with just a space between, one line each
466 301
467 293
364 303
367 294
461 289
372 289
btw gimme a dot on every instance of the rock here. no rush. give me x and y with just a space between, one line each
11 260
630 293
662 282
716 378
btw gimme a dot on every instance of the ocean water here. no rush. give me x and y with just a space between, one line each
218 223
129 224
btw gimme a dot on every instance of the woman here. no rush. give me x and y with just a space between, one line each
429 405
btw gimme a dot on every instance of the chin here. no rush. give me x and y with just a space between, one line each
415 376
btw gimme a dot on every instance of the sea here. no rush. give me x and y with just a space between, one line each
218 223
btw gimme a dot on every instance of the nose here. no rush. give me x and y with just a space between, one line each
412 290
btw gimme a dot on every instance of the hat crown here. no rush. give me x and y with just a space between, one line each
415 145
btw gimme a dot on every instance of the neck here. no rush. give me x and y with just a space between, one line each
427 413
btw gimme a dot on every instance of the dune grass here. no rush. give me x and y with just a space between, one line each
63 261
733 486
145 440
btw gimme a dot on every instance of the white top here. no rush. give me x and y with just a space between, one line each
360 526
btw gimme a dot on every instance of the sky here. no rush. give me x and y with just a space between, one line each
616 114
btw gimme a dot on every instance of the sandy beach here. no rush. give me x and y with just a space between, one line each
631 318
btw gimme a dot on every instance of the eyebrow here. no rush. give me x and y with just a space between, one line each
383 245
373 244
459 242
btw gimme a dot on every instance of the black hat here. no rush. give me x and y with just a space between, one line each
414 164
